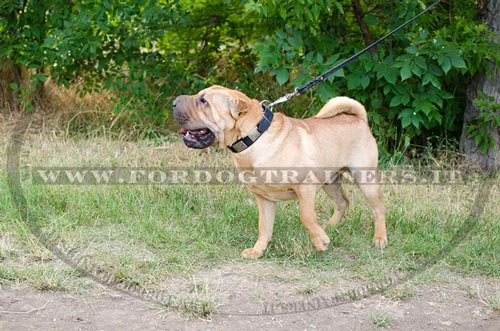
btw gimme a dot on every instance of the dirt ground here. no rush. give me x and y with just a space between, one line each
455 305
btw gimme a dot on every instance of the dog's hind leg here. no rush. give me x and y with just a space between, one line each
334 190
267 211
371 191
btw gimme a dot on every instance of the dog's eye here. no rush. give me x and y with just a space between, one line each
203 100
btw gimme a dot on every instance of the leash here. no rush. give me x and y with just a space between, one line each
243 143
322 77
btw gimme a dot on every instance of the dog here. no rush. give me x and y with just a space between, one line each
337 139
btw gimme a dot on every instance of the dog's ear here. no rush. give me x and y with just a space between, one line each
238 106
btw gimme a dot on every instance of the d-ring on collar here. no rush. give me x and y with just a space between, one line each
243 143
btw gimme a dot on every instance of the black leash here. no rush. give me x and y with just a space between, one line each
322 77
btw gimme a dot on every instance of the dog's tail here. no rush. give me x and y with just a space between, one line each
342 105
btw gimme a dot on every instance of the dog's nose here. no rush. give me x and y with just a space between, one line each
175 103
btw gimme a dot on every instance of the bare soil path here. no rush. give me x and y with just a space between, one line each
437 307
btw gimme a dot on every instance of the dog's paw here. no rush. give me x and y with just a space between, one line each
320 242
251 253
380 242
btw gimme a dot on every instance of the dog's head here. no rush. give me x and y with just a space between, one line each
212 116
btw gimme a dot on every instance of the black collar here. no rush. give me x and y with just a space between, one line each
243 143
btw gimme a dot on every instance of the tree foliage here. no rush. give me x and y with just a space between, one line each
413 84
147 51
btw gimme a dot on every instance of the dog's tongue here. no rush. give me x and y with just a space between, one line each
194 132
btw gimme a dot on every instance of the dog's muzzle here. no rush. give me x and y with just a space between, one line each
198 138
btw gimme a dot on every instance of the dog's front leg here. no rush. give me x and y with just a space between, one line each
267 211
306 194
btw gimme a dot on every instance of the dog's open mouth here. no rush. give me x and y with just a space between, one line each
200 138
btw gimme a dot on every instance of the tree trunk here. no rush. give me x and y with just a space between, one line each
489 84
9 73
359 14
39 92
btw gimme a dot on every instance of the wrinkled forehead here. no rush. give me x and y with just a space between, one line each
215 90
216 96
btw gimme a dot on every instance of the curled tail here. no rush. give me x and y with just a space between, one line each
342 105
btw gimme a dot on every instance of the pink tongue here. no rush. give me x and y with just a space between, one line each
194 132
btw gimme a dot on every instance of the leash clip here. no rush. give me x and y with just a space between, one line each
284 98
266 104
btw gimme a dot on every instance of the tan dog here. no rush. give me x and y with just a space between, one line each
337 138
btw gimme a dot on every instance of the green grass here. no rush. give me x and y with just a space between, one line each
381 320
144 235
201 301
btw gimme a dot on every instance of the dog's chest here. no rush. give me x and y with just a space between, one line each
273 192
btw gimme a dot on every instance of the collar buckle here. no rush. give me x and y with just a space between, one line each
243 143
